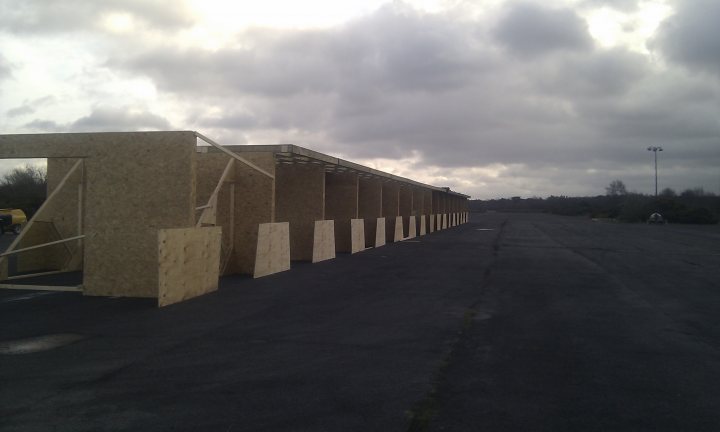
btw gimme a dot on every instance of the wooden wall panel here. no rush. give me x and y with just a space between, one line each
357 229
254 205
189 263
341 205
253 201
390 208
412 228
323 241
370 205
273 249
380 236
300 195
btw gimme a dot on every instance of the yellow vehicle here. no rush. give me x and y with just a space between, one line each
12 220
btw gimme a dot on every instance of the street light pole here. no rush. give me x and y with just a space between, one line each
655 149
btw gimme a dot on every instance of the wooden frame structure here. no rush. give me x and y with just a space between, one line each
165 214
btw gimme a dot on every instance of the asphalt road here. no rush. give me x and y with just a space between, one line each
508 323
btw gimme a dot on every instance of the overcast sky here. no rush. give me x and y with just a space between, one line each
492 98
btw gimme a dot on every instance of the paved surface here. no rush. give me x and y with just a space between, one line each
510 322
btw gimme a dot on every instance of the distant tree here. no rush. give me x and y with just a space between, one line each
668 193
24 188
616 187
692 193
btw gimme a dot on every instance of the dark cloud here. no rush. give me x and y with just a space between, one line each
29 107
692 36
400 83
38 125
41 16
395 49
524 104
528 29
111 119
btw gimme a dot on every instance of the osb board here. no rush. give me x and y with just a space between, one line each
380 232
254 205
418 201
64 212
412 227
406 200
189 263
341 196
370 229
136 183
398 229
299 199
357 233
273 249
43 259
423 225
323 241
343 235
427 201
390 199
436 202
55 220
341 205
432 223
370 201
438 222
444 221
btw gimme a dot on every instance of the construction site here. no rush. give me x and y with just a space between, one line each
165 214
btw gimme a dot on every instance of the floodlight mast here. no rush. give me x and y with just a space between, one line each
655 149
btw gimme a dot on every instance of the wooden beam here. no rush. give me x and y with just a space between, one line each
16 251
41 287
233 155
212 201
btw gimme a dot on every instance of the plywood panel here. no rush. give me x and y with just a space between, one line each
136 183
423 225
370 204
254 205
427 201
323 241
341 205
58 218
189 263
380 232
398 229
412 228
406 206
66 212
390 208
300 195
357 229
273 249
43 259
432 223
444 221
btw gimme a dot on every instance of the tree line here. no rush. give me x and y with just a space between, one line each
695 206
24 188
